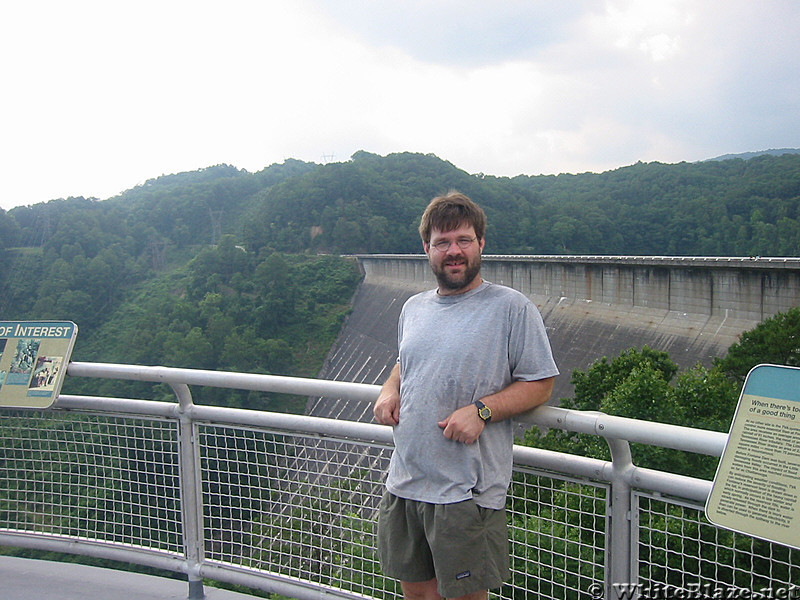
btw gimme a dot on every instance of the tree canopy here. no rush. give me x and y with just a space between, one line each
775 340
372 204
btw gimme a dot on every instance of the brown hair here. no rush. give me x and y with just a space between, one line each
450 212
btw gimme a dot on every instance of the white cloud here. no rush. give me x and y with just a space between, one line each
99 96
651 27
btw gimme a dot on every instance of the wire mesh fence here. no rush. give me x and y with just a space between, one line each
91 477
294 505
558 527
300 507
678 549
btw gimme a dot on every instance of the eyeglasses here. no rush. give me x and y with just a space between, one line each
463 243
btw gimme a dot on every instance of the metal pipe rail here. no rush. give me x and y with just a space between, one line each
284 503
595 423
655 434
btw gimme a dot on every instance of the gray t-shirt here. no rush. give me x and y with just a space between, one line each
455 350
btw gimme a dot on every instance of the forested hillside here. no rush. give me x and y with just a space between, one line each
371 204
221 268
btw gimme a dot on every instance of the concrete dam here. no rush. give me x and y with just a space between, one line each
593 306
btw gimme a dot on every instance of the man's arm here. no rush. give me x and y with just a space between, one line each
387 406
464 425
519 397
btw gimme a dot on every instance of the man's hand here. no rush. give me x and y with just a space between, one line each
464 425
387 408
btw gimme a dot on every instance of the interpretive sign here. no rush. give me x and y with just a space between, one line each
33 361
755 490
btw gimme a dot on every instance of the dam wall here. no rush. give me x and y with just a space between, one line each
593 306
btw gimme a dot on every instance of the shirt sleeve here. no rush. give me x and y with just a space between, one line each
529 352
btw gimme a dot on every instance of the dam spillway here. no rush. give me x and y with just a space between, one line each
694 308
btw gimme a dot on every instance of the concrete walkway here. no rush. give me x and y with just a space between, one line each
29 579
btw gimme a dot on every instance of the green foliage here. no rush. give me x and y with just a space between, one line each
9 230
645 384
126 274
228 310
370 204
775 340
373 203
711 553
324 536
557 535
638 384
592 386
112 494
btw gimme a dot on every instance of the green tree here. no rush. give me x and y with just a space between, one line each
775 340
277 295
9 230
638 384
593 385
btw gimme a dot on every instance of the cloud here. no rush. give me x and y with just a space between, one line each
103 95
652 28
458 33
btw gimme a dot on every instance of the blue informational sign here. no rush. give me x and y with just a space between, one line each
33 361
755 490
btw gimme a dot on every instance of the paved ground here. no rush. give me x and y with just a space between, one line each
28 579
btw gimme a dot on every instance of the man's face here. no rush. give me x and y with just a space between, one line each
456 266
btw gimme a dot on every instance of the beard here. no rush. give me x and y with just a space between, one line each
453 281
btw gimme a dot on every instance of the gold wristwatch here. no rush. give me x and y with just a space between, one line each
484 412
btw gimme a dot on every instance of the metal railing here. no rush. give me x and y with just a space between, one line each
285 503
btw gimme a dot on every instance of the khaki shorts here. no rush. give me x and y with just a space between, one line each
462 545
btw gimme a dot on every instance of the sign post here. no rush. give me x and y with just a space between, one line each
33 361
755 490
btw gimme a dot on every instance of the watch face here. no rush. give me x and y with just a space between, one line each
485 413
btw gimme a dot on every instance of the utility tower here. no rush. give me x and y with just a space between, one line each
158 253
216 225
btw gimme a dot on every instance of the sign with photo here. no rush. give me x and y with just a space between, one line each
33 361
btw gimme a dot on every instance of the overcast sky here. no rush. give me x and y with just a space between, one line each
98 96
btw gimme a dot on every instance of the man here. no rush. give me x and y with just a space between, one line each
472 355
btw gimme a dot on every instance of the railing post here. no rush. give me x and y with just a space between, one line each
619 540
191 497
